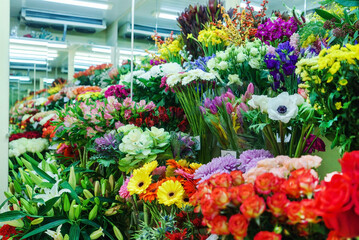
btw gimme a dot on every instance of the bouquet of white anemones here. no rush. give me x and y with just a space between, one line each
286 121
140 146
239 66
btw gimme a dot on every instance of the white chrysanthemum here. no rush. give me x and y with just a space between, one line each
173 79
170 68
211 64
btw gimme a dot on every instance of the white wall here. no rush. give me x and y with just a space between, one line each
4 96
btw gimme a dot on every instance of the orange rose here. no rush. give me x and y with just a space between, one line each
220 197
264 183
219 225
277 204
253 207
238 226
234 192
222 180
291 187
245 191
209 208
237 178
294 213
265 235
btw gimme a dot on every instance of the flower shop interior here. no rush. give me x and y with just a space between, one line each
179 120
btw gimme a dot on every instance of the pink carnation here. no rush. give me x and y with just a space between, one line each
124 193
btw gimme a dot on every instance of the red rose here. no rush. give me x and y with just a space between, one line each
350 165
253 207
335 196
294 213
182 126
277 204
220 197
237 178
264 182
355 197
238 225
219 225
245 191
162 110
307 183
344 223
265 235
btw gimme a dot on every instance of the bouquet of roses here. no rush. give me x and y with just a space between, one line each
270 207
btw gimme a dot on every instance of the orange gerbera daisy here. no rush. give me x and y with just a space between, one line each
151 193
174 164
190 187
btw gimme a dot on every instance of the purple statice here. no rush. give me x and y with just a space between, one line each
219 165
107 142
119 91
249 159
200 63
276 30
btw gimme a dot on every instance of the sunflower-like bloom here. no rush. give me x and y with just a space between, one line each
170 192
139 182
149 167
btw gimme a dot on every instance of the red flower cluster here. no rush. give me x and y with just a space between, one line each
91 70
28 135
7 231
226 195
337 200
170 118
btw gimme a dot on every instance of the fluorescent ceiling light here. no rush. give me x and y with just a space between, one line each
28 52
21 78
135 52
28 42
101 49
81 67
27 57
27 61
256 8
26 47
56 45
48 80
167 16
93 55
89 59
103 6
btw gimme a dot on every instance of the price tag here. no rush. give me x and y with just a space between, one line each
228 152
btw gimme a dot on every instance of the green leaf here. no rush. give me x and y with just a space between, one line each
45 227
348 3
75 232
48 205
85 235
43 174
73 194
326 15
93 224
11 215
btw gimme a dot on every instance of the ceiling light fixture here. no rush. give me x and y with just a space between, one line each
103 6
135 52
101 49
27 61
167 16
52 44
21 78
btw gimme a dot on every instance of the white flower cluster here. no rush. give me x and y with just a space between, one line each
23 145
139 144
233 57
162 70
188 77
281 108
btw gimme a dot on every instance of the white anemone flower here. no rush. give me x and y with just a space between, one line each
283 107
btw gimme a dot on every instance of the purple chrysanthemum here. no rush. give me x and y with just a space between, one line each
224 164
249 159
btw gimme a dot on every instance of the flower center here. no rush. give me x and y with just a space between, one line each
171 194
282 109
140 184
186 199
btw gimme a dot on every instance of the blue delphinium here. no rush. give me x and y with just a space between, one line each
200 63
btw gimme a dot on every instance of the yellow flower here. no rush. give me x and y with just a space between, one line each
149 167
343 82
139 182
170 192
338 105
195 166
184 202
170 171
335 67
330 79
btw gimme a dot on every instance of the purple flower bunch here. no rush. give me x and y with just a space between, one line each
249 159
219 165
200 63
214 104
118 91
276 30
281 63
106 143
155 62
183 146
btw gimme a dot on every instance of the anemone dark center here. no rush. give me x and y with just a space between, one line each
282 109
171 194
140 184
